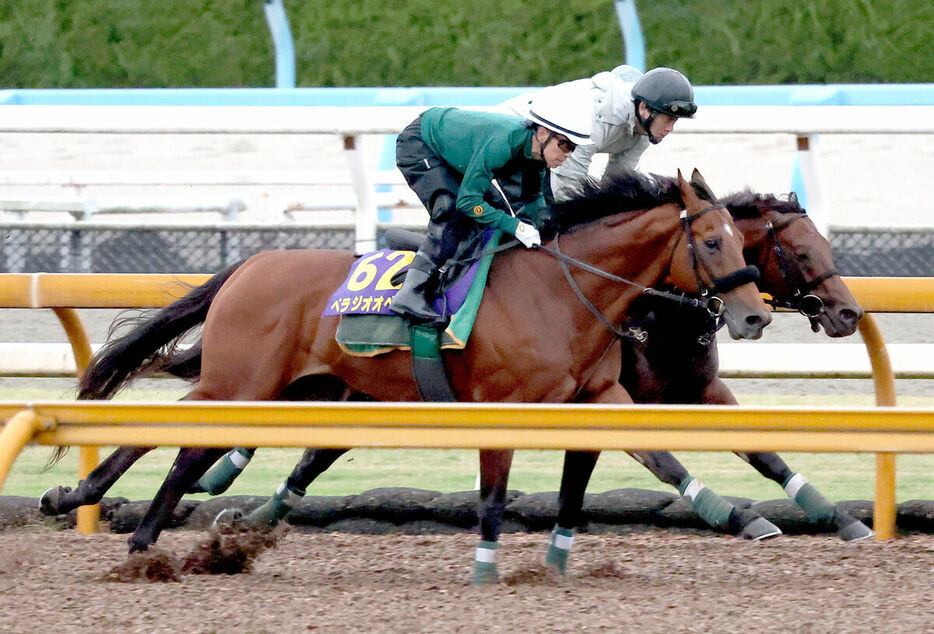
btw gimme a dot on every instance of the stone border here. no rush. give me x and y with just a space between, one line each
419 511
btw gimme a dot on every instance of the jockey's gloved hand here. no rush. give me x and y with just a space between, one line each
528 235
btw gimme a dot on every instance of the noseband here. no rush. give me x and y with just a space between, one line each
802 299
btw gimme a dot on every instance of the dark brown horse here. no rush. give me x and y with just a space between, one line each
533 341
677 363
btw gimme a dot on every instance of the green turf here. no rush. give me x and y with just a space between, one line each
838 476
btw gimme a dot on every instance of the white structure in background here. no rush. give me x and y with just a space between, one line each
726 143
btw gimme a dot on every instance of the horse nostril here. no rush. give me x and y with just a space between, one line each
758 321
850 316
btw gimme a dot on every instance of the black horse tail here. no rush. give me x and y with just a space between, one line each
184 363
151 346
151 343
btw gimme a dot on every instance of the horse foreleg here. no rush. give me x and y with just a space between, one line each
817 507
314 462
578 467
494 479
713 509
91 490
190 464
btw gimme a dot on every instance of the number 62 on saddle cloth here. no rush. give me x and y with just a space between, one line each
368 328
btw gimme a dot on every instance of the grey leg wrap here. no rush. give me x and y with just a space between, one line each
276 508
816 506
710 506
219 478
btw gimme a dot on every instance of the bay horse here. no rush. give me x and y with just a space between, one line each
534 340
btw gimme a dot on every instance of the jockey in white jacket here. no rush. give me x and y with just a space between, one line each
630 111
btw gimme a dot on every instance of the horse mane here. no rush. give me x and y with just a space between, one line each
748 204
627 190
619 191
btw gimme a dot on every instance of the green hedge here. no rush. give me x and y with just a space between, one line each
201 43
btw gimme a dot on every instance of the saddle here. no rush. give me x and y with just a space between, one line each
368 327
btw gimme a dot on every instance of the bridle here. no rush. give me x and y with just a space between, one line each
801 299
723 284
713 304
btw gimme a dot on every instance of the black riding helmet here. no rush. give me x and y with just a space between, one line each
666 91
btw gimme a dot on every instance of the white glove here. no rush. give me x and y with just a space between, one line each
528 235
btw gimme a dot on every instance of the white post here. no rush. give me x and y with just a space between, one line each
366 214
810 176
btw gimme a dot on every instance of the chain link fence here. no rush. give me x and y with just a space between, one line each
178 249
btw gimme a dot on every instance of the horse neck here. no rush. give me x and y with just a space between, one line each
639 248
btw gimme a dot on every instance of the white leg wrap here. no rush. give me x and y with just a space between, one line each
288 497
695 487
564 542
238 460
485 555
794 485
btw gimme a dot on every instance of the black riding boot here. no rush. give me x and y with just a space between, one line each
411 301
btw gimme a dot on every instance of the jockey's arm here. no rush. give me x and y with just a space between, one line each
476 181
623 160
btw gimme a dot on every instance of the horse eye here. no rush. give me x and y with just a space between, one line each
712 243
802 257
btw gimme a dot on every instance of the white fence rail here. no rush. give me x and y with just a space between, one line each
737 360
358 188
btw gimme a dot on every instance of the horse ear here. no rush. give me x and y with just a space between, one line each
686 190
699 183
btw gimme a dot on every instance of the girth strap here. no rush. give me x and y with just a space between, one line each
430 376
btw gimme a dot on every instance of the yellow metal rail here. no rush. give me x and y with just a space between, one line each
64 292
465 425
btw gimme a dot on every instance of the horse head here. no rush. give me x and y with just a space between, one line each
795 262
709 260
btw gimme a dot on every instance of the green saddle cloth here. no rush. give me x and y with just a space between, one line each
371 335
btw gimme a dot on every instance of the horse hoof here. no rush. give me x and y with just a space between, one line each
50 501
759 529
137 547
855 531
228 517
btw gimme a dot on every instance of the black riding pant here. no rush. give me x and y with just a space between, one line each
436 184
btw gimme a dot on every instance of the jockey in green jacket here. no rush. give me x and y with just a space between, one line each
450 158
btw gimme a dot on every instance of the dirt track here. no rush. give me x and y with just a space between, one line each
656 581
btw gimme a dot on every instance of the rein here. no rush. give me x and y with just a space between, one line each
713 304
